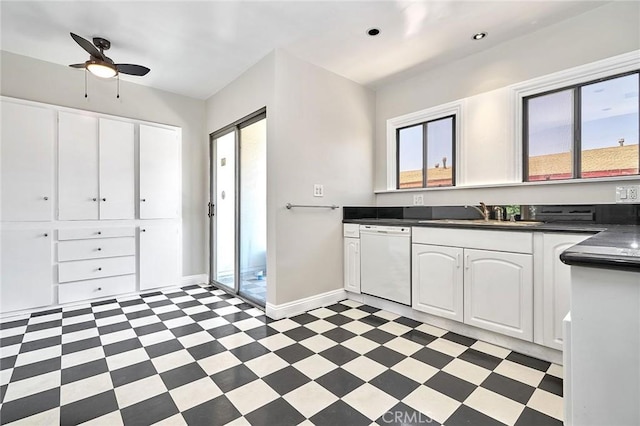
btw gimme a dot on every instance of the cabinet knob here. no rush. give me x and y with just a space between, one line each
99 269
95 199
99 232
99 249
144 200
143 230
46 235
99 288
46 198
104 199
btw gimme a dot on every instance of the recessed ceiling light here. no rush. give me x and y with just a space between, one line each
479 36
373 32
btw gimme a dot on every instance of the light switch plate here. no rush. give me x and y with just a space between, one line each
418 200
318 190
627 194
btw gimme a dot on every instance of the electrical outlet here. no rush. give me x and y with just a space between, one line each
627 194
418 200
318 190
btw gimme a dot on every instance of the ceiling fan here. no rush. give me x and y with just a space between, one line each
100 64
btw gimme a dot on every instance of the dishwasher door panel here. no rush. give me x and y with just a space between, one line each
385 269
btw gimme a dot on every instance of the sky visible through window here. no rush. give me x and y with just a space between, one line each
439 136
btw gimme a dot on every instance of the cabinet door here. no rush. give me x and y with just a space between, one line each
77 167
117 178
159 173
159 255
352 265
26 266
437 280
498 292
556 287
28 135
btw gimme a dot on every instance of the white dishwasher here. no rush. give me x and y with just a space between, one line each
385 268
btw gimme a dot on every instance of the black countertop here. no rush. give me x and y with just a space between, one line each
611 246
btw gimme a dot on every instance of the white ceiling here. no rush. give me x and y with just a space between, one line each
195 48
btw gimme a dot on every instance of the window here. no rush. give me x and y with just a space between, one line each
426 155
584 131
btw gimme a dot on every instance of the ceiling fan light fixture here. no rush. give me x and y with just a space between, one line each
101 69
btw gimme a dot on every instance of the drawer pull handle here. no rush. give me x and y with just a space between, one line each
99 269
99 232
99 288
104 199
99 249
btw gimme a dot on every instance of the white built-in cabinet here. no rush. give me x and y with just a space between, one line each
498 292
159 173
437 280
159 255
482 278
352 264
96 169
27 270
556 286
76 186
26 153
351 257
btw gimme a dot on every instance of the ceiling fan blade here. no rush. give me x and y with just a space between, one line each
88 46
77 65
132 69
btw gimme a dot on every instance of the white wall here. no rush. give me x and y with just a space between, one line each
35 80
482 79
319 131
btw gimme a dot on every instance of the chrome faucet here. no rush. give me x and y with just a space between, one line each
483 210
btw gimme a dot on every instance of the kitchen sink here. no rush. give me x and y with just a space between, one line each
524 223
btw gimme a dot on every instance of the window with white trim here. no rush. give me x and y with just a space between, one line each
585 130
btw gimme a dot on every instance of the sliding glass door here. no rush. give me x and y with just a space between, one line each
238 208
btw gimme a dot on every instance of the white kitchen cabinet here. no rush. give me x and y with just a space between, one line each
117 170
78 191
159 255
437 280
27 272
96 168
556 287
27 144
498 292
160 184
352 264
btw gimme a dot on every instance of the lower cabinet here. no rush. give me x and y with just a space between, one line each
556 287
159 255
437 280
498 292
352 264
27 272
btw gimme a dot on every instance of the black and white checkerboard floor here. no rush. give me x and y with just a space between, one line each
198 356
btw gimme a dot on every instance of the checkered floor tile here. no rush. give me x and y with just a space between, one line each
198 356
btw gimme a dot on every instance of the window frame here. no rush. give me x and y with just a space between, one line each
415 118
576 144
425 142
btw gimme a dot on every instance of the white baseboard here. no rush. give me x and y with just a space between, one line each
194 279
303 305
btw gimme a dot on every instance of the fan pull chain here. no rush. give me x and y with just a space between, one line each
86 71
118 94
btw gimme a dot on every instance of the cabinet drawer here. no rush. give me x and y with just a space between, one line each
96 268
509 241
85 233
96 248
351 230
91 289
